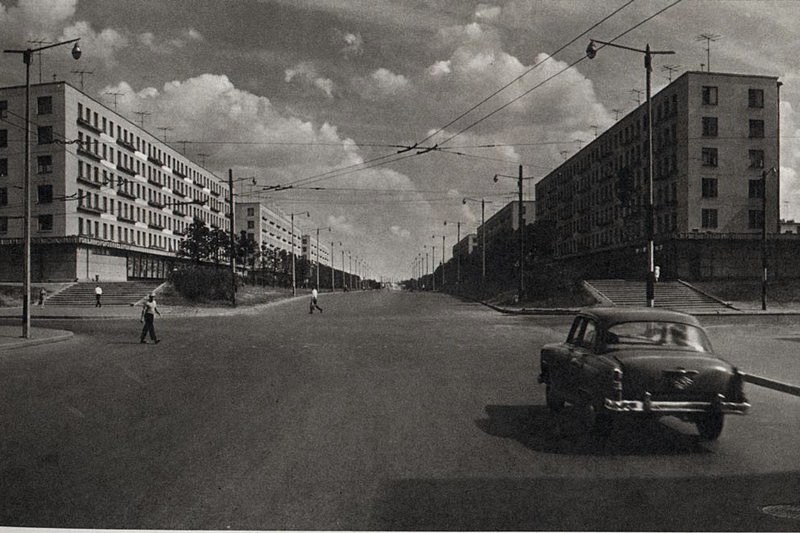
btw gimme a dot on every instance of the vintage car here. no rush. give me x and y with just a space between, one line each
626 361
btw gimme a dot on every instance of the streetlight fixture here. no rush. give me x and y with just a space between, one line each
591 52
294 284
764 175
483 233
458 258
329 229
27 58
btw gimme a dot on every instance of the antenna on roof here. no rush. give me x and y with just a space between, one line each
670 69
40 42
142 114
164 130
115 98
708 38
81 74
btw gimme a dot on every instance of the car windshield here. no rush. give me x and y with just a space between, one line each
668 334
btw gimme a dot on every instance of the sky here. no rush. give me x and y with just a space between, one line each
327 95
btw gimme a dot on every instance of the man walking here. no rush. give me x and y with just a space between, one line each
98 292
313 304
149 312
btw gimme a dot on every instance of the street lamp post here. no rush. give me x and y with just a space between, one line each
294 284
328 228
483 235
458 258
521 223
764 175
591 52
443 246
27 57
333 270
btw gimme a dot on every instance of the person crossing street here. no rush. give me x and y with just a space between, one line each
313 305
149 312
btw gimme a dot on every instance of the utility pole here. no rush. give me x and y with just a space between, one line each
233 238
521 240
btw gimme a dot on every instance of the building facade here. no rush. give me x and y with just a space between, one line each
108 199
268 227
715 143
313 253
506 220
465 246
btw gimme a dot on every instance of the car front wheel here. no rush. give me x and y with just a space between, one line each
710 426
554 402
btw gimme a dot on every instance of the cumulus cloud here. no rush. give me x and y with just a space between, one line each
101 45
351 43
487 12
169 45
36 18
400 232
381 83
305 74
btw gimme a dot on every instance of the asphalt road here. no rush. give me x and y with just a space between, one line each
389 411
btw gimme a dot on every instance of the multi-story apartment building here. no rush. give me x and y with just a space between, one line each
506 220
268 227
465 246
108 199
715 137
313 253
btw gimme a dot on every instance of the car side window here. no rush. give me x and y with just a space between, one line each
589 334
575 331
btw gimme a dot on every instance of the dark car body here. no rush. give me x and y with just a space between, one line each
625 361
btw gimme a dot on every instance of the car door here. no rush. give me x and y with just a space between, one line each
580 363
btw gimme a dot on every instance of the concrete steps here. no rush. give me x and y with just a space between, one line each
668 294
114 293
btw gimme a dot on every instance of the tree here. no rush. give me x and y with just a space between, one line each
246 250
197 244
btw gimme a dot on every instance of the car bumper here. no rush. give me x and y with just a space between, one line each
718 405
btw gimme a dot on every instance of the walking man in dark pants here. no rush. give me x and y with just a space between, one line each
98 292
149 312
313 305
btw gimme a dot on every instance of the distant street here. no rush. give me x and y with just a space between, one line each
388 411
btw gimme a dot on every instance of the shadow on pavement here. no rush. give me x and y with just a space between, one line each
536 428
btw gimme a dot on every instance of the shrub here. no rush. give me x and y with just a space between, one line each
203 283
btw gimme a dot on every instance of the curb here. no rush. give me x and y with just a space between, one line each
24 343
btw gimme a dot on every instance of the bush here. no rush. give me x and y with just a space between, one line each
203 283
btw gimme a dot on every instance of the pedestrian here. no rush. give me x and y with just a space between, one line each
98 292
42 296
149 312
313 304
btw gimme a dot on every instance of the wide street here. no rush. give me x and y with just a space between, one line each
389 411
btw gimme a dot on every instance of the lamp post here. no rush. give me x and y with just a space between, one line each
350 270
328 228
458 257
521 223
764 175
483 234
27 58
591 52
443 246
294 284
333 270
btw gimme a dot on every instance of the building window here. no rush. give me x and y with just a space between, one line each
710 126
251 224
755 219
251 211
3 224
3 138
757 129
709 188
44 134
756 189
709 157
3 196
755 98
3 108
709 218
44 105
756 158
709 95
3 167
44 164
45 222
45 194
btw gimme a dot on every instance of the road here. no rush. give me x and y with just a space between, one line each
389 411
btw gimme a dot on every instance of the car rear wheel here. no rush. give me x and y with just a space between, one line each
710 426
554 402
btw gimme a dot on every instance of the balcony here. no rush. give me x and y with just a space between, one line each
158 227
125 194
90 210
154 203
88 153
126 144
179 233
123 218
178 173
82 122
215 209
180 193
178 211
155 182
126 170
155 160
86 181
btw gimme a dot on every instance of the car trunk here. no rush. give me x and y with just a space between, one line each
673 375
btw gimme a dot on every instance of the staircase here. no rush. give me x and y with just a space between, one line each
668 294
114 293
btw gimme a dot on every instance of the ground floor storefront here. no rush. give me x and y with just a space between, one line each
82 259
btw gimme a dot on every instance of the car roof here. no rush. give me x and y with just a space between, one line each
615 315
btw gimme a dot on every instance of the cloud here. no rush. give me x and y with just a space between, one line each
352 44
400 232
381 83
101 45
170 45
487 12
34 19
305 74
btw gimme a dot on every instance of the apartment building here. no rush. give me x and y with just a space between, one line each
715 138
109 200
506 220
466 245
314 253
268 227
